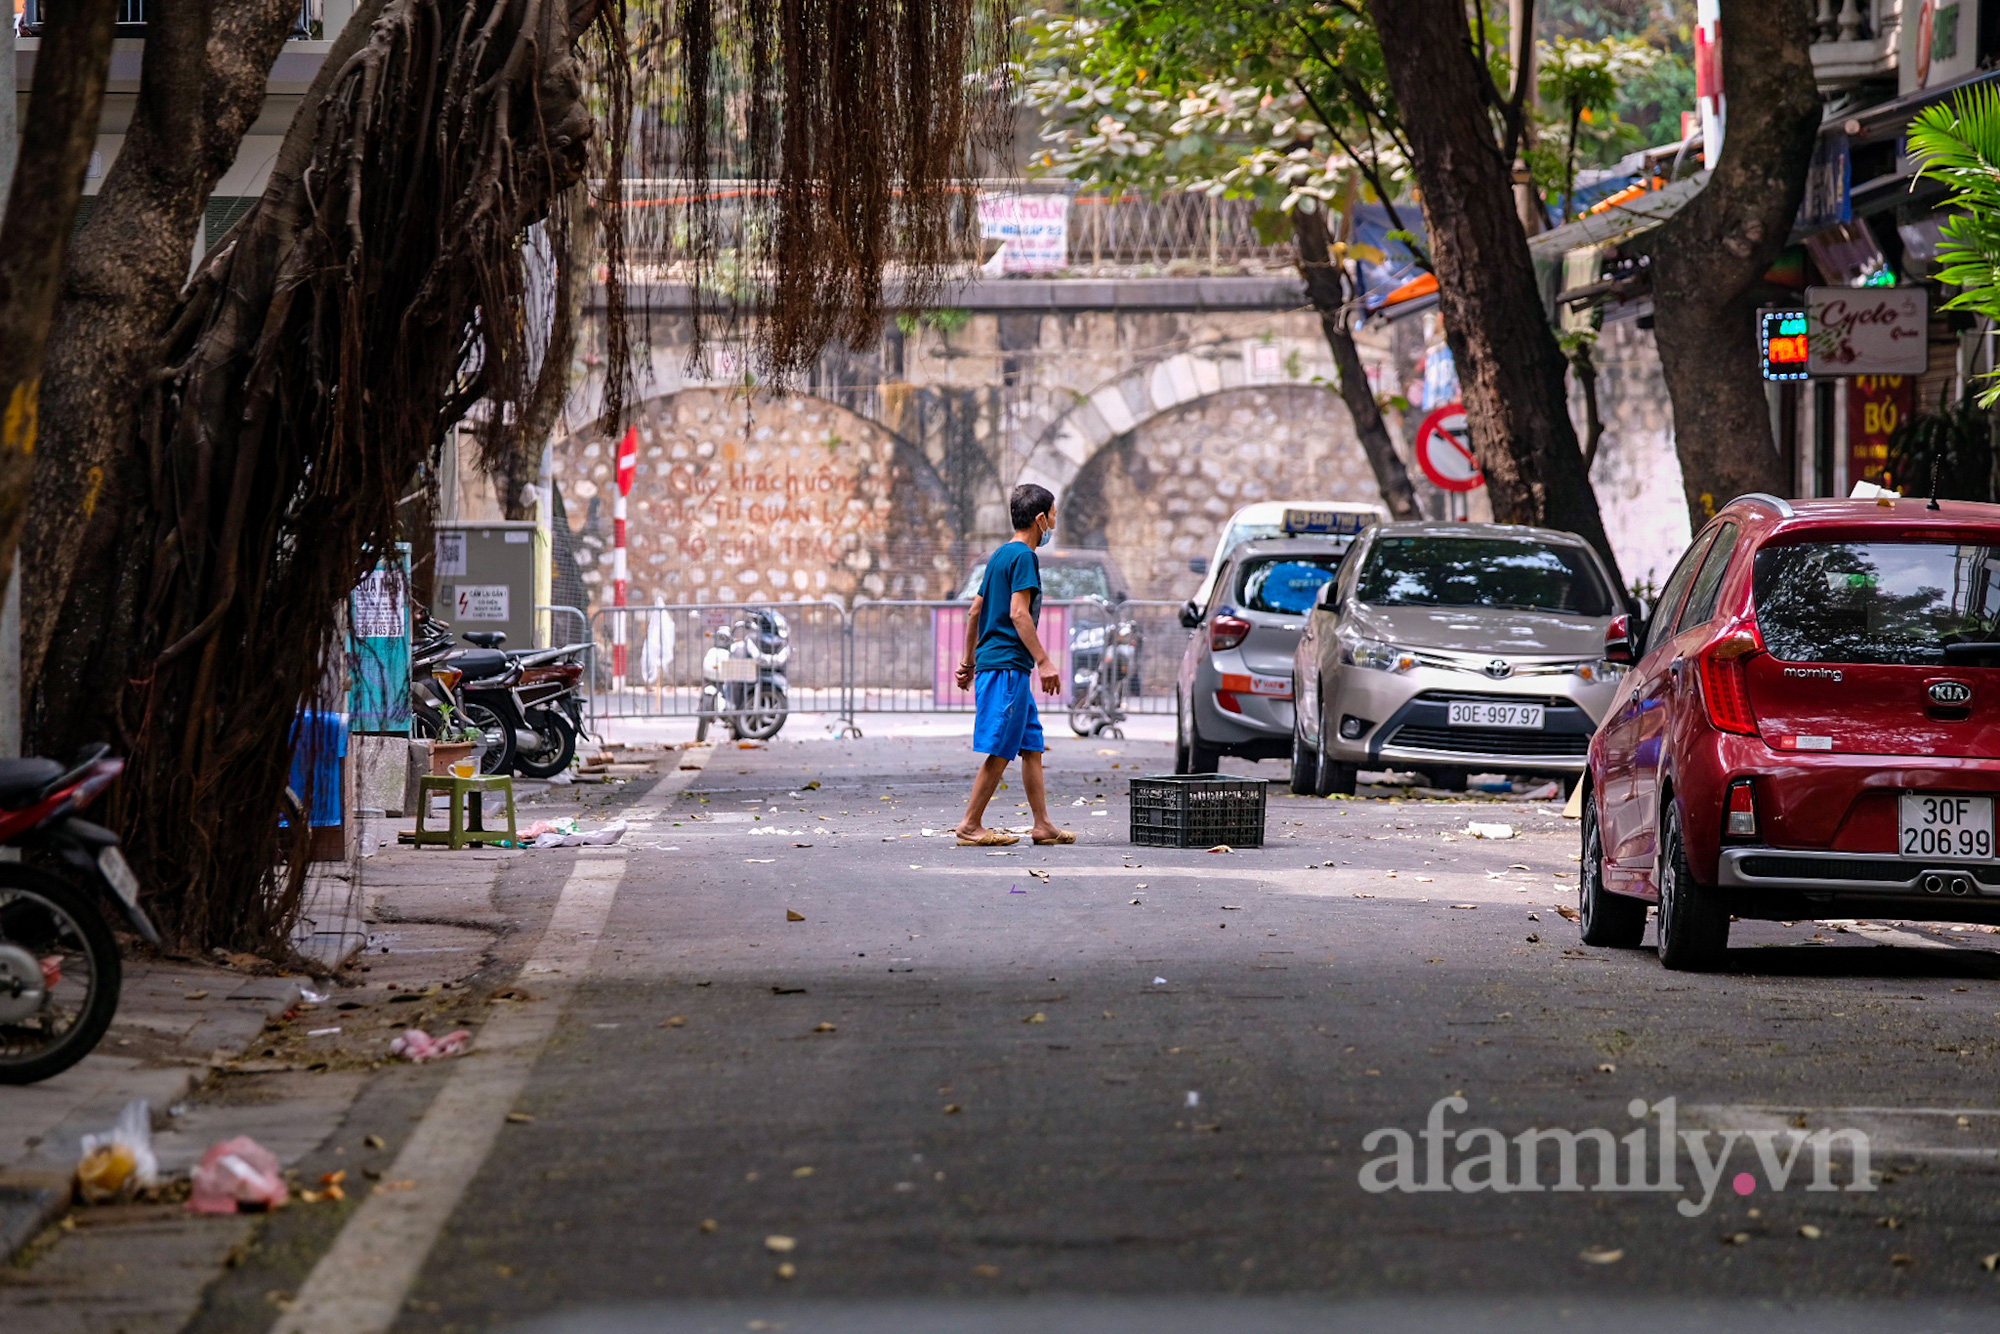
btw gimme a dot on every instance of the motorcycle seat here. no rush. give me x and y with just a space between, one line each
479 663
485 638
22 780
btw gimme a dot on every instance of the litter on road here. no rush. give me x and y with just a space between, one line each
413 1044
234 1175
119 1163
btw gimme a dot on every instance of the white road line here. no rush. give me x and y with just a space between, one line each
359 1285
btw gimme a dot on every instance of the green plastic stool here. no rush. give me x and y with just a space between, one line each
462 832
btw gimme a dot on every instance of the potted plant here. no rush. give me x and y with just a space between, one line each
456 743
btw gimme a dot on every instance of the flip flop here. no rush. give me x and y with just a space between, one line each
992 838
1063 836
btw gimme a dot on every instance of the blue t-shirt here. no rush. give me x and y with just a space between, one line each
1013 568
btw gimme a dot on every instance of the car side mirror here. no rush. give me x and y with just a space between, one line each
1618 639
1190 615
1197 565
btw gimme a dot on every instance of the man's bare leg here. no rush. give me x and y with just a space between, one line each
1038 802
984 784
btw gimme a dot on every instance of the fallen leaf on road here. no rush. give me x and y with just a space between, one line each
1533 918
197 995
1364 896
1465 905
520 1118
1735 1238
1232 907
511 994
801 845
810 787
1534 939
802 1171
1036 1018
1516 866
779 1244
1901 1260
1135 901
709 1225
952 1109
1601 1255
987 1271
1810 1233
1607 1068
1040 875
788 991
793 916
678 1021
824 1028
1222 847
374 1142
1567 913
1990 1263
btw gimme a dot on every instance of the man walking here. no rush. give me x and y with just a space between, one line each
1003 655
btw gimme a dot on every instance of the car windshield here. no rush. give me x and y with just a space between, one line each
1875 602
1060 583
1518 574
1285 585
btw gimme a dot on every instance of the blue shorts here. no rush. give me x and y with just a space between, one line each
1005 721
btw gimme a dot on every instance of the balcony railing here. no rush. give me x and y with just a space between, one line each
307 26
1131 236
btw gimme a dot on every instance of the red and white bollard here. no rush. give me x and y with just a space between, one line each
628 467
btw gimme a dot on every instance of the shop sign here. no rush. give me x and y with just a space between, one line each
1867 330
1781 339
1876 406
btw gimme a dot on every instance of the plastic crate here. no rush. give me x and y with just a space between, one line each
1197 811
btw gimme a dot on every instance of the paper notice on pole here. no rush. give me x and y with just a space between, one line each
1034 228
450 554
378 606
483 602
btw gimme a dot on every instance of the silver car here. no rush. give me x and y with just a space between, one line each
1234 690
1452 649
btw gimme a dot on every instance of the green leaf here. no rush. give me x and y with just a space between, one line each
1272 225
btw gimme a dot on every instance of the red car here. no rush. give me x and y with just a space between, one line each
1810 728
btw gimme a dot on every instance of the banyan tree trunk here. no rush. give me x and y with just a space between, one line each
301 390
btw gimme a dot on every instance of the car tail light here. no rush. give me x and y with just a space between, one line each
1226 701
1742 817
1226 632
1725 683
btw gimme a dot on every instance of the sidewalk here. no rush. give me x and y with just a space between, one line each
426 934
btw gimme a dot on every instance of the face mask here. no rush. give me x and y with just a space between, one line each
1048 534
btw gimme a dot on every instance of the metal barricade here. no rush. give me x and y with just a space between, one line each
661 649
886 657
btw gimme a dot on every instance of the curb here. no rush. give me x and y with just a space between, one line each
27 1206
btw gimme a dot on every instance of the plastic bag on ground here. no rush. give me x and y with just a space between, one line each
413 1044
236 1174
119 1162
567 833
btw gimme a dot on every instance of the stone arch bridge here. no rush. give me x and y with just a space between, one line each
1152 408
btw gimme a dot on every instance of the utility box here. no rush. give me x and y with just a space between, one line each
492 576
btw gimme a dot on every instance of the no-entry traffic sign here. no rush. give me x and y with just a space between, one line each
1444 450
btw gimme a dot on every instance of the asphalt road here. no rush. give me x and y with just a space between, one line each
1135 1075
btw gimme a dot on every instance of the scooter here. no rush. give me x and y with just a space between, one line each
537 698
743 676
59 965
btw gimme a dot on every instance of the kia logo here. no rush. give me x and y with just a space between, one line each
1951 692
1500 668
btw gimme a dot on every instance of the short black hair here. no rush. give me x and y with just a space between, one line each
1029 503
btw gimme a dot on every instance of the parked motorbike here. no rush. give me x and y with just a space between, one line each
59 965
743 676
535 699
527 706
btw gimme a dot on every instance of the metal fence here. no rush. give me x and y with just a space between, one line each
878 657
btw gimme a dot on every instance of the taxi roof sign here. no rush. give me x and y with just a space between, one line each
1327 523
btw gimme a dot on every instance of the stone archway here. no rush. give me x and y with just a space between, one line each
1145 391
1159 493
780 499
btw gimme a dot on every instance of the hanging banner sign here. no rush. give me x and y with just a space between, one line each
1444 450
1033 227
1867 330
1876 406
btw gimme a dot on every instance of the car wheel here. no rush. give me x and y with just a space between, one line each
1180 738
1614 920
1305 764
1693 921
1334 778
1201 759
